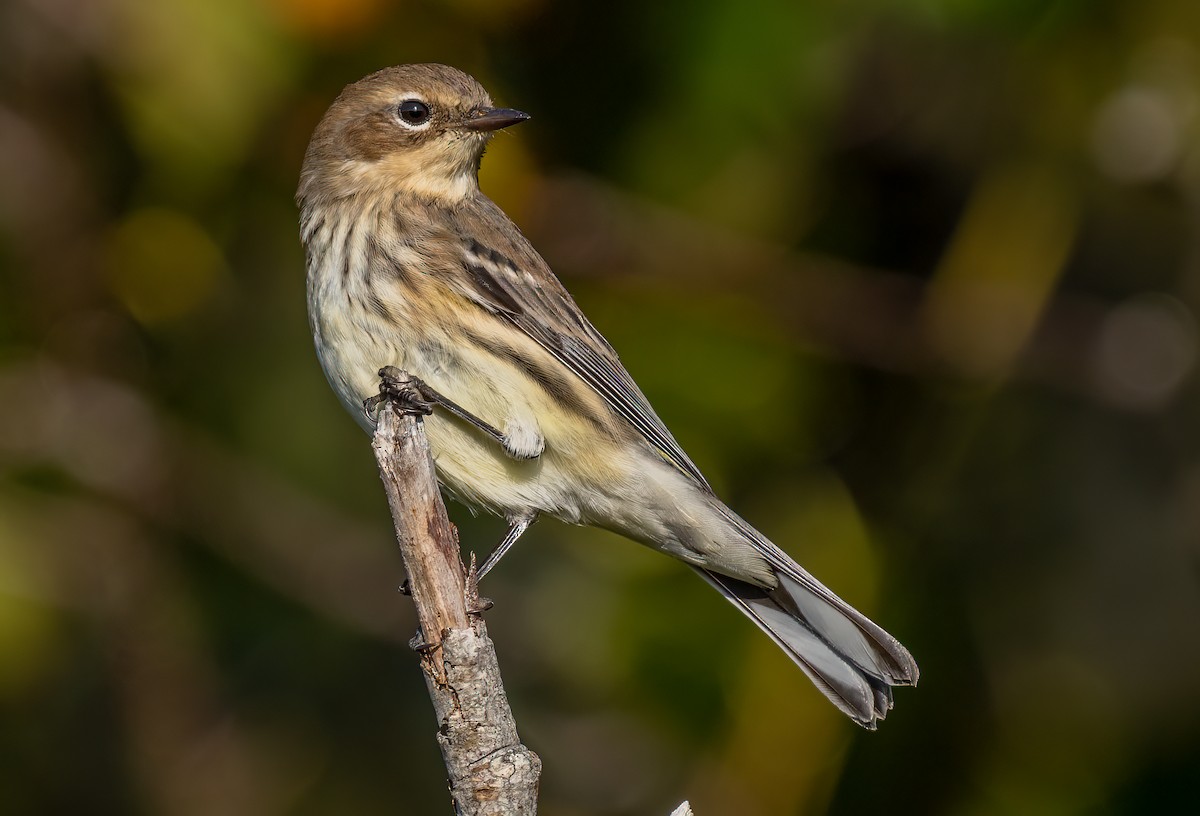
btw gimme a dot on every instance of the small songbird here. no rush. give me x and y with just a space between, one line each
410 265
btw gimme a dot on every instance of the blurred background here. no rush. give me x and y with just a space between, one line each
915 284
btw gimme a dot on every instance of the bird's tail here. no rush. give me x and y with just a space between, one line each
848 657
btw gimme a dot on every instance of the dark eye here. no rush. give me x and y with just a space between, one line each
414 112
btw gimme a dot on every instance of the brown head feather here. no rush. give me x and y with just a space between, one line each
362 145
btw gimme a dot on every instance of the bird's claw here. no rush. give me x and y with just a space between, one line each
404 391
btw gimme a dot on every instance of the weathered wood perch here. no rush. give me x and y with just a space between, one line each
490 772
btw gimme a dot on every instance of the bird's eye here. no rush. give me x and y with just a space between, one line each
414 112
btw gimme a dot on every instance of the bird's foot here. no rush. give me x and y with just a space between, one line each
404 391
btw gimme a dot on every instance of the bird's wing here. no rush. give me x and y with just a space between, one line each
501 272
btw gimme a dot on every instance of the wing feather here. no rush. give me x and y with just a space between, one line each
501 272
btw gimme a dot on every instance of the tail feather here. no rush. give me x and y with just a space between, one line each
850 659
856 637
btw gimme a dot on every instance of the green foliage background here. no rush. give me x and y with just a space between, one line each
915 283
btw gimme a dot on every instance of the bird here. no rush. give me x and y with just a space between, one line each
410 265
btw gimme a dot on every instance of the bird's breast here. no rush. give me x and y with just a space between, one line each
373 301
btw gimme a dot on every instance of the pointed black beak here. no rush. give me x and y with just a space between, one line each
493 118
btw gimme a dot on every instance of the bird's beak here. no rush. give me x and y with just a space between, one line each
493 118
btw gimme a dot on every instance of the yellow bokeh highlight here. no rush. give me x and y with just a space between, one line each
508 174
28 629
792 765
1000 269
331 19
162 266
194 80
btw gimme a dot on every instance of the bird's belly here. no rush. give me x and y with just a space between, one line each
476 470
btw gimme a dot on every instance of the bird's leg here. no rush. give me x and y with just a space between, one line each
414 395
516 528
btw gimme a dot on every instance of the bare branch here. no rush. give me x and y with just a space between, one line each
490 771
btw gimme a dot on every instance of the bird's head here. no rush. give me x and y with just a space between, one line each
417 129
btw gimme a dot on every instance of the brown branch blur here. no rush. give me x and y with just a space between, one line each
872 317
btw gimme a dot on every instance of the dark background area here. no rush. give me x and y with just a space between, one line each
915 284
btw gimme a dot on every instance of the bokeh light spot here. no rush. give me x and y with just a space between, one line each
162 266
1147 348
1136 135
